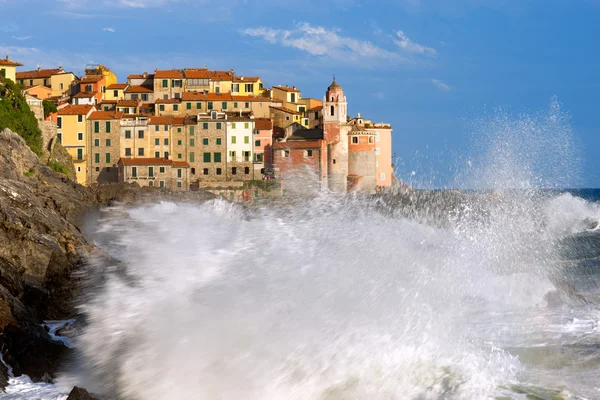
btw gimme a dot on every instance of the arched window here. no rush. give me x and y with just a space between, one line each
332 98
332 110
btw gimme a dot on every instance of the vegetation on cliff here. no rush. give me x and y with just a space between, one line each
16 115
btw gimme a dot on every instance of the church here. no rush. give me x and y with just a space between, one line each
341 154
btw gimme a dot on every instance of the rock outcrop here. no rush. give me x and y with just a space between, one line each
41 246
80 394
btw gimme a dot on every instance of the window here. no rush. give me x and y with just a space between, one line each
218 125
246 170
78 169
206 157
179 184
157 154
246 139
217 157
61 86
150 183
134 172
286 153
246 125
233 140
258 157
257 143
235 87
179 143
192 157
316 115
161 170
96 142
210 105
166 141
382 176
150 172
80 118
377 137
107 142
144 97
371 139
232 155
115 93
377 151
301 109
166 128
219 171
156 128
179 156
219 140
59 136
233 125
59 122
166 154
157 142
224 105
205 141
205 171
198 106
246 105
175 107
233 170
161 184
354 139
165 83
140 134
128 152
192 142
205 125
188 106
134 97
193 171
161 107
179 173
293 97
191 131
309 153
107 127
80 136
141 152
235 104
127 134
107 158
97 158
249 87
332 110
247 156
79 154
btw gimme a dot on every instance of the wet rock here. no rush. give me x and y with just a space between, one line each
80 394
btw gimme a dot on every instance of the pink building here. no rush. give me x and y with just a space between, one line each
263 151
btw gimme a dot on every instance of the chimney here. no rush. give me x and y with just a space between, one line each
7 58
294 87
145 75
39 68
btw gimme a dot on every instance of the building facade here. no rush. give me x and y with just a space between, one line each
104 129
72 132
8 68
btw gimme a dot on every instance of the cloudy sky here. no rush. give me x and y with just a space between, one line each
429 67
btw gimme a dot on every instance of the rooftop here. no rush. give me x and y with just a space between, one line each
287 89
7 62
139 89
85 95
118 86
169 74
75 110
39 73
106 115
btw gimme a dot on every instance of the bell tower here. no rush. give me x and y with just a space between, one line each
334 112
335 134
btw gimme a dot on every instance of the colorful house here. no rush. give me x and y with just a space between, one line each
59 80
263 151
240 148
94 85
72 132
9 68
104 146
116 91
40 91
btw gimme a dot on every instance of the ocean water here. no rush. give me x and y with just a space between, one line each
491 296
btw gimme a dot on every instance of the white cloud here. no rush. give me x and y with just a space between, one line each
112 30
379 95
408 45
22 37
330 43
441 85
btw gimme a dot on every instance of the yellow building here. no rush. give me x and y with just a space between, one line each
72 133
9 68
247 86
290 96
109 77
59 80
115 91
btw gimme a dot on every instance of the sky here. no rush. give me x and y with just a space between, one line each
428 67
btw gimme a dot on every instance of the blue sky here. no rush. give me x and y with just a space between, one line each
429 67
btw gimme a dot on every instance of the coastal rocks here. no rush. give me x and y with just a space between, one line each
80 394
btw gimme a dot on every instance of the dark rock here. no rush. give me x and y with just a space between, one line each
80 394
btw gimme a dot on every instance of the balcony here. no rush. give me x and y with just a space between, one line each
134 122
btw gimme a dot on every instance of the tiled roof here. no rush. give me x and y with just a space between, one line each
308 144
170 74
127 103
7 62
285 110
106 115
38 73
138 89
250 98
146 161
193 96
218 97
75 110
235 118
118 86
263 124
92 79
249 79
141 76
85 95
111 102
166 120
287 89
181 164
178 120
167 101
200 73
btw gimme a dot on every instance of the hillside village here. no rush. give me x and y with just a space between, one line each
199 128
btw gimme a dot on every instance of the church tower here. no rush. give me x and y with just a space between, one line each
335 133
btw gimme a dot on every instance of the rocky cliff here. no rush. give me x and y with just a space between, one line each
41 246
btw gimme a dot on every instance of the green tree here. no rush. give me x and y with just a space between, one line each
49 107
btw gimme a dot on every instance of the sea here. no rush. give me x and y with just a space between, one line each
486 293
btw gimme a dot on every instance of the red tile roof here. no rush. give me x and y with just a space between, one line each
92 79
75 110
249 79
167 101
118 86
287 89
146 161
85 95
250 98
7 62
317 108
139 89
263 124
285 110
235 118
218 97
170 74
38 73
197 73
127 103
193 96
181 164
106 115
141 76
166 120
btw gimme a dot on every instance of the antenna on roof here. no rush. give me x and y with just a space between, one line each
334 77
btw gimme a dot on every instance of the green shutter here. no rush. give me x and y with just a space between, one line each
192 142
206 157
175 107
246 139
191 131
224 105
96 127
79 154
188 106
179 143
205 125
218 140
205 141
107 127
218 125
257 143
210 105
235 104
108 158
217 157
233 140
157 142
192 157
161 107
198 106
178 155
165 83
97 158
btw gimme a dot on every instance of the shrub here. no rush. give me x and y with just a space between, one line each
58 167
49 107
